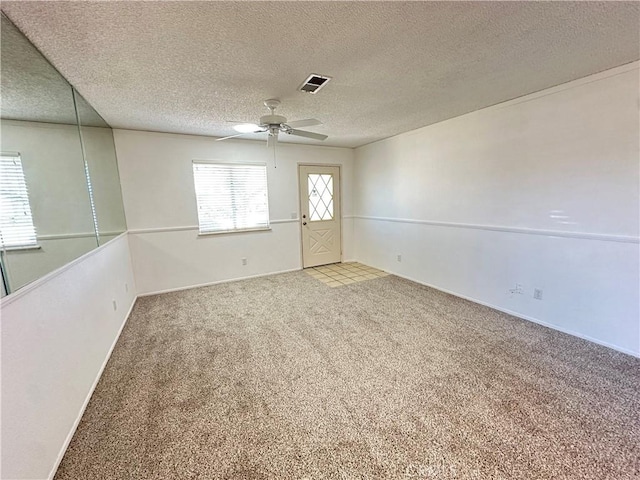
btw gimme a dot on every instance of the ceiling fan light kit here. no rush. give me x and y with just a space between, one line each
246 128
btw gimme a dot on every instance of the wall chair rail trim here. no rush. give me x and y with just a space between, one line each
499 228
50 276
138 231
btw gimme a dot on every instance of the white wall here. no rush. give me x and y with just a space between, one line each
542 191
56 337
159 198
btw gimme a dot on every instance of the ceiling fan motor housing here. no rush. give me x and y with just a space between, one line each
272 120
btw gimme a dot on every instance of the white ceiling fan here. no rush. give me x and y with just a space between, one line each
274 124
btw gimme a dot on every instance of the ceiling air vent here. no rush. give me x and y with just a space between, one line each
314 83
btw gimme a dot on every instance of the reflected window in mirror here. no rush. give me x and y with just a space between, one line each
16 222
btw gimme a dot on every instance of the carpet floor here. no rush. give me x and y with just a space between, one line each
285 377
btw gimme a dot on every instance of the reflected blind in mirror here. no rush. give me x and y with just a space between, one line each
16 223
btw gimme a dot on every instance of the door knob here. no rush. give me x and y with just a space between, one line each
304 223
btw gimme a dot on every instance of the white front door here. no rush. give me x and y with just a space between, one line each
320 212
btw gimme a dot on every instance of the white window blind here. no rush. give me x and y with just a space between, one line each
16 223
231 197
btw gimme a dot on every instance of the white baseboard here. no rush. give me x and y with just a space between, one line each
72 432
523 317
217 282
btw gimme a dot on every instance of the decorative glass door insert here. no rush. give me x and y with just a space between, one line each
320 197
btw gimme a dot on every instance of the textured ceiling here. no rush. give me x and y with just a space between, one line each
186 67
32 90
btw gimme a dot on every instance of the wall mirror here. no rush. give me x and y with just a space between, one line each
59 186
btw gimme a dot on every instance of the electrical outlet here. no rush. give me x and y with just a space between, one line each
399 258
115 305
244 261
537 293
517 289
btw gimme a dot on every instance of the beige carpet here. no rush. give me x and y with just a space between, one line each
285 377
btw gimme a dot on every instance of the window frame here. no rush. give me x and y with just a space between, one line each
202 233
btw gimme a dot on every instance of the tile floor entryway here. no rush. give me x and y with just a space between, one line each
338 274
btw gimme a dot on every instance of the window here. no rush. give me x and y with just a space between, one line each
231 197
16 223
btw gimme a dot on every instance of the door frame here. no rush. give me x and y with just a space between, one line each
307 164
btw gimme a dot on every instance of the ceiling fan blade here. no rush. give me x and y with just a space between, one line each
307 122
230 136
303 133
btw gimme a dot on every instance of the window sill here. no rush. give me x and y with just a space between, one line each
18 249
226 232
